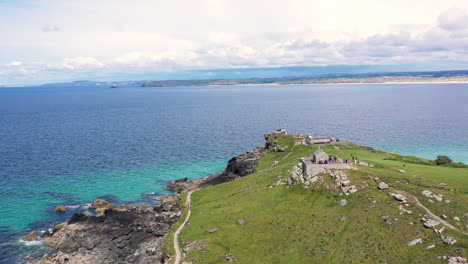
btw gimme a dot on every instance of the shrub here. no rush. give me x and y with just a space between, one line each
443 160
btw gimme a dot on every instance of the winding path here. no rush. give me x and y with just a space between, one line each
179 230
432 215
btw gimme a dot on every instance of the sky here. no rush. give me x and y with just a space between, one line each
55 40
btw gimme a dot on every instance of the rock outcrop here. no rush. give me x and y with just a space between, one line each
100 205
238 166
436 196
399 197
182 185
242 165
124 234
32 236
60 208
343 182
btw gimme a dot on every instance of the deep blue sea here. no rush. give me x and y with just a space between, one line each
66 145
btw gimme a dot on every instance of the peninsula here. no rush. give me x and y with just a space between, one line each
292 200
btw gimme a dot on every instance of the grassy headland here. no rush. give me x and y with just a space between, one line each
293 224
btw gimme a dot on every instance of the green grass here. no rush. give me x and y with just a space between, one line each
297 225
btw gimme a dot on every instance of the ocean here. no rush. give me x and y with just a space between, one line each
71 145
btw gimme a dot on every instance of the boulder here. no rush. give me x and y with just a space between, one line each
448 239
60 208
213 230
343 202
415 241
457 260
382 186
430 223
240 221
32 236
427 193
402 171
362 163
101 205
438 197
398 197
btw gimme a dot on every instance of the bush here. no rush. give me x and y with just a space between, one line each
443 160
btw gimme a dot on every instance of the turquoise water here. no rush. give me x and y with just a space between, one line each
126 186
68 145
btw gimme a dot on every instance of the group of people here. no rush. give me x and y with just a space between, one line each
331 159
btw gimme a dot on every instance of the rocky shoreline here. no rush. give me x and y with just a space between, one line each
133 233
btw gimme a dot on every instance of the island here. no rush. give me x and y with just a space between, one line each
292 200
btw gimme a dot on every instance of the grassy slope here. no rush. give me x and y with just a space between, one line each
296 225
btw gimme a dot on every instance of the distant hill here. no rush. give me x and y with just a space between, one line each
380 77
283 75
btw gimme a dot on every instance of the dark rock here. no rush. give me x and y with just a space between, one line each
238 166
124 234
181 185
242 165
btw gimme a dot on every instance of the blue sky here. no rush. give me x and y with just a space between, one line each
51 40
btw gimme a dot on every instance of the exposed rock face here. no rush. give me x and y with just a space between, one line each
125 234
242 165
343 182
272 143
238 166
181 185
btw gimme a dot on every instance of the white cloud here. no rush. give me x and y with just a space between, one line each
453 19
151 36
14 63
82 63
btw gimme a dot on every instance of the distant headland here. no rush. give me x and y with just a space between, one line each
458 76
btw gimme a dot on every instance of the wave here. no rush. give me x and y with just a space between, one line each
31 243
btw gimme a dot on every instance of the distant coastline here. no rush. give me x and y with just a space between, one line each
384 79
338 78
